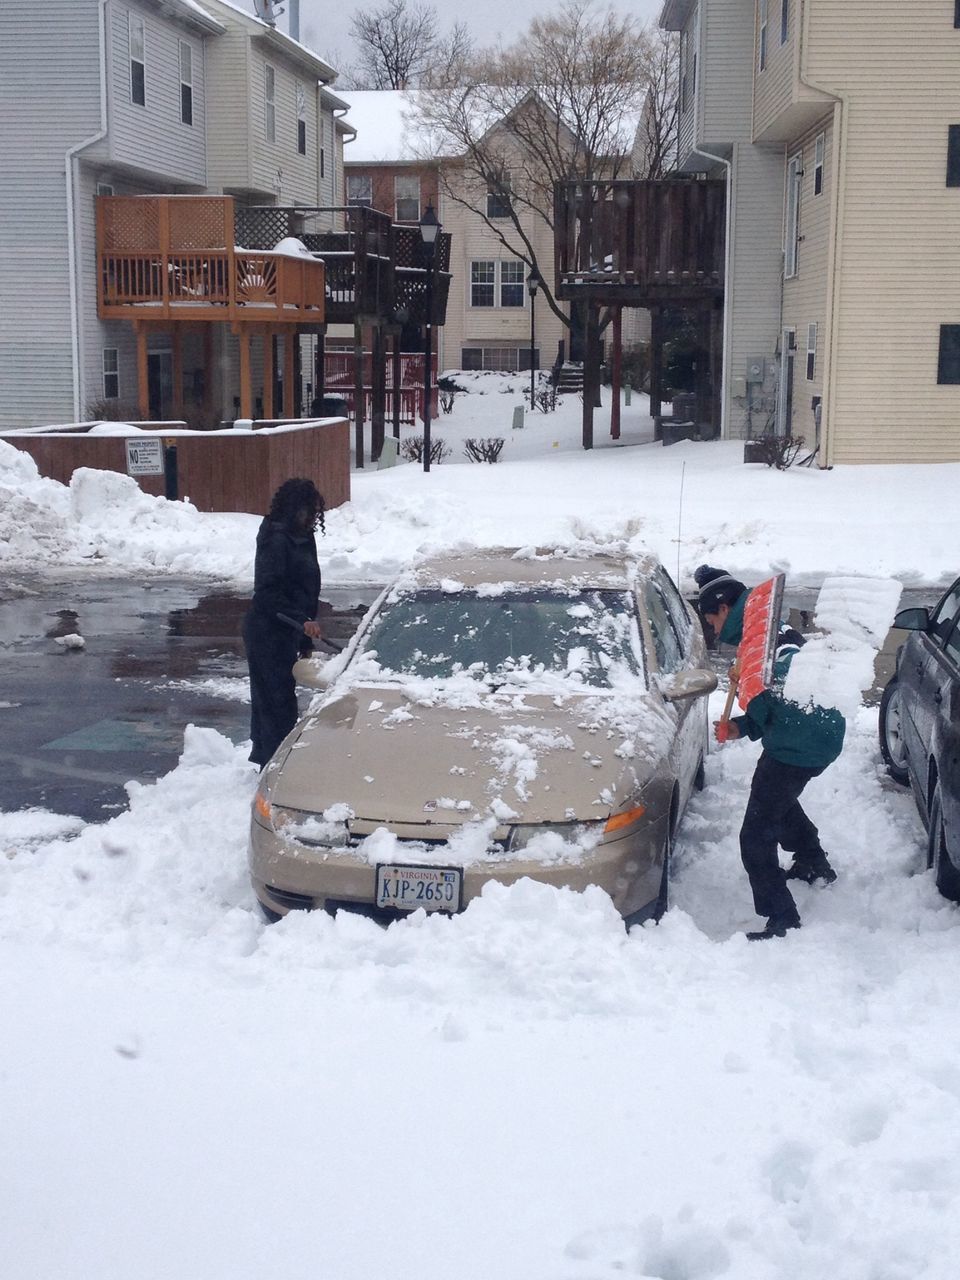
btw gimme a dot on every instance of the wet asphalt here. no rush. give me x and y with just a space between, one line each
77 723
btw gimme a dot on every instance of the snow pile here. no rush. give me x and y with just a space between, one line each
834 669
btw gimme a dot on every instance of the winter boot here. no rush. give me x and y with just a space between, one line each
776 926
810 868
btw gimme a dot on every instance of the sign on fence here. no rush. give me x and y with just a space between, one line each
144 456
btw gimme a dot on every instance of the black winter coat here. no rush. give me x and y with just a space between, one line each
286 575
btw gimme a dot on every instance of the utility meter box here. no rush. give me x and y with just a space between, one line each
756 369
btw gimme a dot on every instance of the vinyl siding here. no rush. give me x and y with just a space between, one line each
278 166
805 296
774 87
152 138
228 112
726 72
491 326
49 102
898 263
753 283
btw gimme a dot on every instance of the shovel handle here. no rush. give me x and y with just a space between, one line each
723 724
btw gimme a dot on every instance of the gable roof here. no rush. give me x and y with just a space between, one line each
293 49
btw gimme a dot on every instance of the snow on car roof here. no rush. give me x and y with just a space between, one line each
503 567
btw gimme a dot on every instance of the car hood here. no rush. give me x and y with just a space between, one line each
395 759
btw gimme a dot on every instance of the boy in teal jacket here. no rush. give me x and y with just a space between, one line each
798 744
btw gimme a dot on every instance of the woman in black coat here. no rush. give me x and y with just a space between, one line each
280 622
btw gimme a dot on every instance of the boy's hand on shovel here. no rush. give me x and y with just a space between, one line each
723 730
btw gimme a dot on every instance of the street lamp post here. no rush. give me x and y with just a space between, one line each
533 284
429 230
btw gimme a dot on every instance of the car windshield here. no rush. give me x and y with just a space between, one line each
583 636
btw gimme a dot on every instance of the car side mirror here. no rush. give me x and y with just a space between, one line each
912 620
687 684
311 673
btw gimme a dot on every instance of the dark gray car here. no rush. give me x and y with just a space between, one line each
920 729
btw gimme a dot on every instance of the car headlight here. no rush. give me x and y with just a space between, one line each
329 829
584 834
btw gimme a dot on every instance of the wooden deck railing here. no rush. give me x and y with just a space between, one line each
163 257
625 240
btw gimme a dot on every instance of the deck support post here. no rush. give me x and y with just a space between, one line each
246 391
358 390
143 371
378 395
289 409
616 373
268 372
176 351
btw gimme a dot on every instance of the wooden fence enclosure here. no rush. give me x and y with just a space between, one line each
231 470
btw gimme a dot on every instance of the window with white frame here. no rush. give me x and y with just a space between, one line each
791 225
503 359
322 125
811 351
301 118
819 152
270 103
406 192
511 283
104 188
762 41
497 284
360 189
138 64
483 284
186 83
684 61
111 373
784 21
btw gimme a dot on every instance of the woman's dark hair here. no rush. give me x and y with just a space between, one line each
295 496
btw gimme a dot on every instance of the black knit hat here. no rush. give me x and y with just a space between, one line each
717 587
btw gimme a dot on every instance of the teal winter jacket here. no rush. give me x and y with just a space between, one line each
810 736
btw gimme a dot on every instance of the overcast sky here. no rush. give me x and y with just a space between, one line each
325 24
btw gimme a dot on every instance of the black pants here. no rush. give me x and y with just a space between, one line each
272 650
774 817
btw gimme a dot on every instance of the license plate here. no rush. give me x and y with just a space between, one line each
410 888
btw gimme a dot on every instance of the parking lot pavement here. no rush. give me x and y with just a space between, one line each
79 722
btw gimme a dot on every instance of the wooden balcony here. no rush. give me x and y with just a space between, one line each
640 243
175 258
374 267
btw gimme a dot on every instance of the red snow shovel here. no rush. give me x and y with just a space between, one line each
753 670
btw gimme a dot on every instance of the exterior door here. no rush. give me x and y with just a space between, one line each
160 384
788 352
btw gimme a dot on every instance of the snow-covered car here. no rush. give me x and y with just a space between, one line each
498 714
920 729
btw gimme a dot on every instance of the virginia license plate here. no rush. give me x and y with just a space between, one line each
409 888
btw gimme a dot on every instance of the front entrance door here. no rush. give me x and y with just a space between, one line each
160 384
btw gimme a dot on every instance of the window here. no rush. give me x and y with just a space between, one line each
500 359
953 155
811 351
482 283
495 284
819 151
684 60
945 614
956 13
406 189
322 127
498 199
111 373
666 642
138 66
270 103
104 189
762 48
791 243
511 284
301 119
360 189
948 368
784 21
674 602
186 83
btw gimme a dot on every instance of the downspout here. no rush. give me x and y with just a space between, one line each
69 163
834 258
728 235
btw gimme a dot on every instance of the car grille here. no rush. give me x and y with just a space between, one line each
292 901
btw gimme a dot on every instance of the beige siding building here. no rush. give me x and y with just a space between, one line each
858 106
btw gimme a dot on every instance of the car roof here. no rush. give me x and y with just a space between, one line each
529 567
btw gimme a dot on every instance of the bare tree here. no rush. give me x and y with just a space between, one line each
655 149
561 104
400 45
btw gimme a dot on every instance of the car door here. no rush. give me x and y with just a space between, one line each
928 670
946 735
671 627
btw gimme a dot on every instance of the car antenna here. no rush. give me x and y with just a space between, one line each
683 468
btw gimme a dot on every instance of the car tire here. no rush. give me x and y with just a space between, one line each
662 904
892 747
945 874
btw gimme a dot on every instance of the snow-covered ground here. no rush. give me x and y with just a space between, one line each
524 1091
